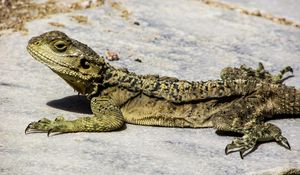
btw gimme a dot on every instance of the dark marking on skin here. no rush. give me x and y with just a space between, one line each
175 85
128 79
133 82
156 86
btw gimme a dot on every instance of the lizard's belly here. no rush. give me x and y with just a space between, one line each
145 110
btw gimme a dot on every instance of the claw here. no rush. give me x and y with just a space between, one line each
285 144
288 77
241 150
49 132
242 154
229 150
260 67
226 150
29 127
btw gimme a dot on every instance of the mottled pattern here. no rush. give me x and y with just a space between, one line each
239 102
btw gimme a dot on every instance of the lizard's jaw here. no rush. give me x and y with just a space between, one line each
56 65
67 72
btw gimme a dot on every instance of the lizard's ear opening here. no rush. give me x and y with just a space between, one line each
60 46
84 63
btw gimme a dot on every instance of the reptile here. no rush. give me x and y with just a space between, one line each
241 101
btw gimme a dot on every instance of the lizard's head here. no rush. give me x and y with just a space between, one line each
75 62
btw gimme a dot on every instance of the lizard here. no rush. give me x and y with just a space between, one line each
241 101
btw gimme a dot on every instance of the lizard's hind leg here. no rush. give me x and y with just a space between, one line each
244 72
245 117
278 79
258 133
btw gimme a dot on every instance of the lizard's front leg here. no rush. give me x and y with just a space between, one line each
107 116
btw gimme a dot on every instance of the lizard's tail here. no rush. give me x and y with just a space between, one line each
297 102
288 101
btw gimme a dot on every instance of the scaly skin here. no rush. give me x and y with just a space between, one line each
239 102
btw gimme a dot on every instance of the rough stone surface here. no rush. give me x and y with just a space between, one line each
186 39
283 8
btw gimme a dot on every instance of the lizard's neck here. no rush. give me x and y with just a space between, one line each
88 87
122 78
130 81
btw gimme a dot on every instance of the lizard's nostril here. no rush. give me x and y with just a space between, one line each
34 40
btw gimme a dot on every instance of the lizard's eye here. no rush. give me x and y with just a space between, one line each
60 46
84 63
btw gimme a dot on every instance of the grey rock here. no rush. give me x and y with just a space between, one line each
284 8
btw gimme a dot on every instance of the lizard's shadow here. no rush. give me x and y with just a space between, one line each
74 103
228 133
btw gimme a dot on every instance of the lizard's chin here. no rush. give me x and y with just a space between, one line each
78 85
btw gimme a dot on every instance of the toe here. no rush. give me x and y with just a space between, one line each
283 142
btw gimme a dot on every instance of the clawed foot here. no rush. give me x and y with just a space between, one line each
265 132
262 74
283 142
279 78
259 73
46 125
240 145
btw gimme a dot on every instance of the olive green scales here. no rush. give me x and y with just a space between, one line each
241 101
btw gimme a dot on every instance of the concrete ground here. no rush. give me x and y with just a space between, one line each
183 38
